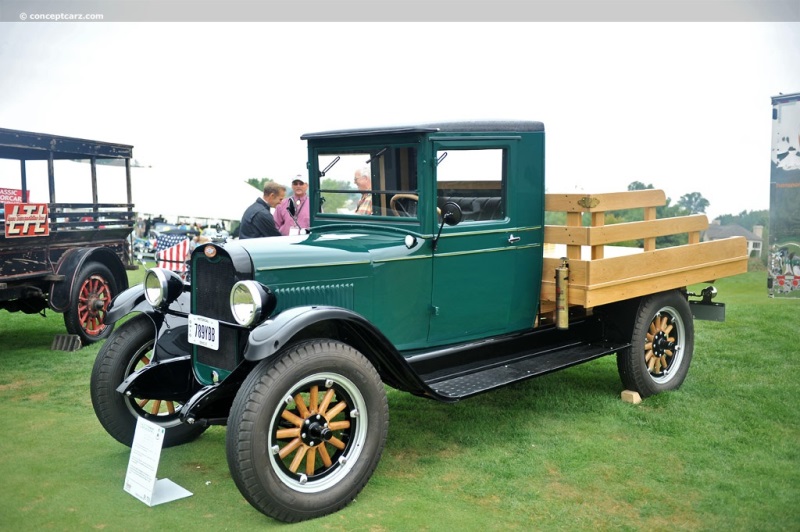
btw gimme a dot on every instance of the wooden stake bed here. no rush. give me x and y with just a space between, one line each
600 273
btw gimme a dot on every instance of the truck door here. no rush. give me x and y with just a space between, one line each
476 266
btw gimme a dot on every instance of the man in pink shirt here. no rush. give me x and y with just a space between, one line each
286 223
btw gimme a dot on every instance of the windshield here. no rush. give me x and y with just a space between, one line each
374 182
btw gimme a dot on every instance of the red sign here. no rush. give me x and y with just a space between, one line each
26 219
12 195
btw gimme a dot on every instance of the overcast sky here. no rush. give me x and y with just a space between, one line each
684 106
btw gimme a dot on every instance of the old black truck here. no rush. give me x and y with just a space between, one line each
70 257
428 268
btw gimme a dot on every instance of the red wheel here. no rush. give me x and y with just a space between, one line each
91 296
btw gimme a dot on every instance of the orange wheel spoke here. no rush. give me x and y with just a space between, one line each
339 425
291 418
326 401
156 406
142 402
336 442
326 458
146 360
648 356
313 399
310 459
298 459
301 405
336 410
284 434
171 407
291 446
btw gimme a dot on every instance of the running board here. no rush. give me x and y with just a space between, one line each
476 380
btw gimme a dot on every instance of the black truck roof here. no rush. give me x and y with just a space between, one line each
26 146
474 126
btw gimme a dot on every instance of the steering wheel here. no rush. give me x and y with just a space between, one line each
400 207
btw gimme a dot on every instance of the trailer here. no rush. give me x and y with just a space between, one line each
783 278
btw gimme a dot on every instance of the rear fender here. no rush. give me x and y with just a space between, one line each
71 263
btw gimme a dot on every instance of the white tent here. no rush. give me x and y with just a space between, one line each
154 192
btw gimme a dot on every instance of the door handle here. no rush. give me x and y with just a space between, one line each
513 239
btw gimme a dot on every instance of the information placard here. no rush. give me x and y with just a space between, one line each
140 480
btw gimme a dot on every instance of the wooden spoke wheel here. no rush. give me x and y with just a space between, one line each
662 345
317 431
91 296
306 430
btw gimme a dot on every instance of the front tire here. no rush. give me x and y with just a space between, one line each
126 351
662 345
307 430
89 300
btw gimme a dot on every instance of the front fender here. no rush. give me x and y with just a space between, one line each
272 335
133 300
342 324
126 302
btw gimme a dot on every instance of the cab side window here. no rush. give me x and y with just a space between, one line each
475 180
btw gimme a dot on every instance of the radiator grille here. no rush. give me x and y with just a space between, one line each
212 280
211 287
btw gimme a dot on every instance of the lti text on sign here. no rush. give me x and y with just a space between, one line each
26 219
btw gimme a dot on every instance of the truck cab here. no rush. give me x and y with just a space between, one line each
453 291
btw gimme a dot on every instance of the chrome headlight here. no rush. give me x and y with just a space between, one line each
251 301
162 287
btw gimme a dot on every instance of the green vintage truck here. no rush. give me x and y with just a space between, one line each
428 268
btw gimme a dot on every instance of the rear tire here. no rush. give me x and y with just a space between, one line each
88 305
306 430
662 345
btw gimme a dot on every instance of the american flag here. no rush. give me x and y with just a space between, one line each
171 251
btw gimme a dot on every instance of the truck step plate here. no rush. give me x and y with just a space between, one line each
492 377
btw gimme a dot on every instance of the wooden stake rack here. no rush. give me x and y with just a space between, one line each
602 273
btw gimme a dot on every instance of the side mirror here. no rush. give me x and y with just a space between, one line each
451 215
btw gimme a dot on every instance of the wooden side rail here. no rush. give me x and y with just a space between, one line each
597 280
575 234
602 281
609 234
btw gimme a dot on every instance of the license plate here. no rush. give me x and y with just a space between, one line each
204 332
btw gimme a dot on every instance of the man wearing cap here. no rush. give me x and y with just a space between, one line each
257 220
297 224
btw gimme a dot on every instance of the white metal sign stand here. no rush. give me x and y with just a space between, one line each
141 481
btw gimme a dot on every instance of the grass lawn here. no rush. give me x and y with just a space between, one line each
560 452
